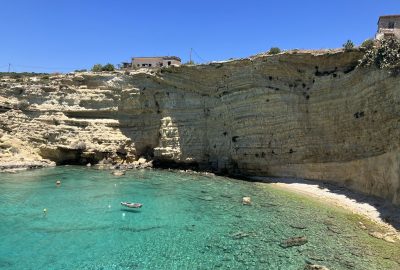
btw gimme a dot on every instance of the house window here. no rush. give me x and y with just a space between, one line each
149 65
169 63
391 25
161 64
138 65
143 65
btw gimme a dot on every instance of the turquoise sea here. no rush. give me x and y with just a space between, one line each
186 222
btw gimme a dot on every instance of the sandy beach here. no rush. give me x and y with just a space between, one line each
379 211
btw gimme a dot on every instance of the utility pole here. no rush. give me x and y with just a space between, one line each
9 67
190 61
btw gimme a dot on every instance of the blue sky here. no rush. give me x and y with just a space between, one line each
63 35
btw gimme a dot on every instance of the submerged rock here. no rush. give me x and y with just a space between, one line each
361 225
246 201
334 229
118 173
388 237
206 198
294 241
315 267
298 226
240 235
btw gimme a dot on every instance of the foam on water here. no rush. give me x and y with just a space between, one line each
187 222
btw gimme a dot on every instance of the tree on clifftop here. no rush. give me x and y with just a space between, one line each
274 50
348 45
368 44
108 67
97 68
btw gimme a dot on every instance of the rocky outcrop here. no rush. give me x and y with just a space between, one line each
16 154
302 114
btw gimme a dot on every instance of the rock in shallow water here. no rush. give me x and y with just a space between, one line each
315 267
246 201
294 241
388 237
206 198
118 173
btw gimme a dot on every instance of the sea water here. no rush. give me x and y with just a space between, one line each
186 222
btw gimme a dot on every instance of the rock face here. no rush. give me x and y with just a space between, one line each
299 114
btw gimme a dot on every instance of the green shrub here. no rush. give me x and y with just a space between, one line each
274 50
386 55
108 67
348 45
368 44
97 68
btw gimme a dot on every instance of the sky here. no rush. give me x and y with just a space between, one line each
65 35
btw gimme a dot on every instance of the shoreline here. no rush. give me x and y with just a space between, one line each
372 208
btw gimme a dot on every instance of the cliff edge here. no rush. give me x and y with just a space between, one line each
309 114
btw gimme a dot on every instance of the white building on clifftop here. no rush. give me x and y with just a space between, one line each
152 62
388 26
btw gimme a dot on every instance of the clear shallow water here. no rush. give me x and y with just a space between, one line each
187 222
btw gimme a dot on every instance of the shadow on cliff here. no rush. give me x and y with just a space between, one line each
387 211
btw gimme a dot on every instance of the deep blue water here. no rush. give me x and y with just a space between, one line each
187 222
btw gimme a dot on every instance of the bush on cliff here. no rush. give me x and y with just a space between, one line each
108 67
80 70
348 45
368 44
386 55
97 68
274 50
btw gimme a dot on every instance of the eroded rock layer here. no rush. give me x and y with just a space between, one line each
301 114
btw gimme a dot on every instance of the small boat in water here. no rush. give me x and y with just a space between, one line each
132 205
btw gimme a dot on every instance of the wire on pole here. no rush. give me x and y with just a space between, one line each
201 58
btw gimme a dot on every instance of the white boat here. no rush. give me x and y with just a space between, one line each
132 205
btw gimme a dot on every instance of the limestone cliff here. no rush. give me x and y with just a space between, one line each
301 114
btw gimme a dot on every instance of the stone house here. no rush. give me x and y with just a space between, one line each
388 26
154 62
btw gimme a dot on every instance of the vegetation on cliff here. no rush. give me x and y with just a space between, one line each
368 44
274 50
99 67
384 55
348 45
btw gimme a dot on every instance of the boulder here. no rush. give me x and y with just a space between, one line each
118 173
141 161
388 237
315 267
294 241
246 201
